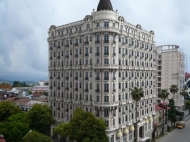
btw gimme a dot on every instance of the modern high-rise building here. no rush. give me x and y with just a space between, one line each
171 70
94 63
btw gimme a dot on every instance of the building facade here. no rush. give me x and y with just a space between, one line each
94 63
171 70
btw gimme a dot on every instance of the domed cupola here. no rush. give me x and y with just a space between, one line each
105 5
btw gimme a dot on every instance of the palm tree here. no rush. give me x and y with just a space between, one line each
184 93
173 89
137 94
163 94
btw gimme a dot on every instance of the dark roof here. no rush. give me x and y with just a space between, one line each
105 5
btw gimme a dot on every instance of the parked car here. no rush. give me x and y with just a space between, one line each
180 124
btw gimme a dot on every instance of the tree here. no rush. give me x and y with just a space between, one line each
29 92
137 94
83 127
184 93
163 94
7 109
187 105
35 136
173 113
173 89
40 118
15 128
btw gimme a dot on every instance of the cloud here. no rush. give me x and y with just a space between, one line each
24 26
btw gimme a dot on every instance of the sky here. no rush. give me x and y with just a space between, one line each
24 28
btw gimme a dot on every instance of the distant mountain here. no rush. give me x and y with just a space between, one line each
11 82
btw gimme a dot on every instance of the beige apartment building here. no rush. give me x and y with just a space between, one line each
171 70
94 63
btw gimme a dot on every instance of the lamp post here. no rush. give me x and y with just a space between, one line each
26 134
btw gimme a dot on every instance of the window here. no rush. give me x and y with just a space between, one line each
106 98
88 26
106 61
97 24
106 50
106 112
113 25
106 24
106 38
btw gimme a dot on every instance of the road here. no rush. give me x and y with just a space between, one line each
179 135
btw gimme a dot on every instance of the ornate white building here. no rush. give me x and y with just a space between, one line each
93 64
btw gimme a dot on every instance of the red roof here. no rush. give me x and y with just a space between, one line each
2 138
157 108
5 86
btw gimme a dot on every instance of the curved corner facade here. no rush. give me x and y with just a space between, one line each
93 64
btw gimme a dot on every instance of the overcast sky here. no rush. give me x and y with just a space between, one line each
24 25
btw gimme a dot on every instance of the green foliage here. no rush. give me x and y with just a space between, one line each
173 89
29 92
83 127
184 93
163 94
173 113
7 109
19 84
14 129
187 104
137 94
34 136
40 118
45 93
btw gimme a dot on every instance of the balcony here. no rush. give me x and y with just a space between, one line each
123 90
76 78
51 87
67 56
106 53
114 42
97 78
67 89
58 77
98 41
58 46
76 89
97 54
106 78
86 42
58 57
76 55
76 44
114 78
106 41
51 77
114 54
123 78
58 88
86 54
105 104
123 55
67 45
86 90
97 90
86 78
106 91
114 90
67 78
51 58
51 48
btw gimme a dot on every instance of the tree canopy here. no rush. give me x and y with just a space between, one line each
163 94
7 109
173 113
40 118
173 89
184 93
35 136
19 84
15 128
137 94
83 127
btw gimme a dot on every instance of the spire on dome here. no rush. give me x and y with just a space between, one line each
105 5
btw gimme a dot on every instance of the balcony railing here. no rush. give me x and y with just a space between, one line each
76 55
86 78
51 48
76 78
76 89
106 41
67 45
97 54
86 42
86 54
97 90
67 88
86 90
106 78
58 57
51 58
76 44
67 78
97 78
106 53
58 77
114 54
114 78
106 91
67 56
114 90
97 41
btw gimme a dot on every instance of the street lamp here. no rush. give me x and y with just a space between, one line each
26 134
